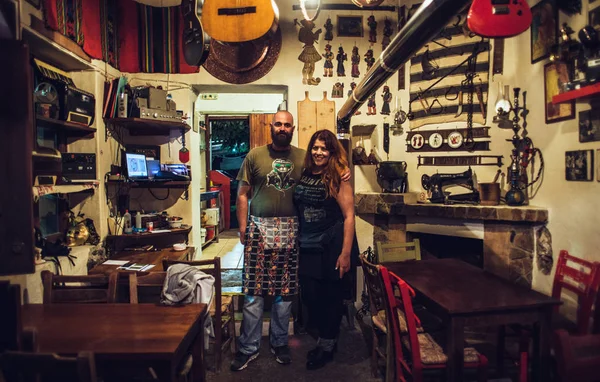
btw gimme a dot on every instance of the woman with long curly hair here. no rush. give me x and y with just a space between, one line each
328 247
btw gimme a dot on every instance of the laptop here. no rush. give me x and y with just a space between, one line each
138 168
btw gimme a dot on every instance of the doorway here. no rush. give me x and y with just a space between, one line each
229 145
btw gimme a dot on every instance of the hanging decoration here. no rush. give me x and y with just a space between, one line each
369 59
352 87
387 33
372 106
184 153
328 30
341 57
328 65
387 98
309 55
338 90
355 59
372 29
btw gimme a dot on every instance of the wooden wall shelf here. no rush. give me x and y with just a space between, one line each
168 184
54 48
70 128
172 231
142 126
584 94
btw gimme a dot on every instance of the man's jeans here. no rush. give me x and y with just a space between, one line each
251 329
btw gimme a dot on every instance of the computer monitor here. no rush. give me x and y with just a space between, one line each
136 166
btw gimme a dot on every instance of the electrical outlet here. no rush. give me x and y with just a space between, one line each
208 96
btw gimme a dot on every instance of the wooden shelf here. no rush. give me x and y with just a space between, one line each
168 184
173 231
583 94
54 48
70 128
64 188
142 126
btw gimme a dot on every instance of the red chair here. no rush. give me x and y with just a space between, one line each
425 352
579 276
577 357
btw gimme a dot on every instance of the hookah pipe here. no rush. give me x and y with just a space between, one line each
515 196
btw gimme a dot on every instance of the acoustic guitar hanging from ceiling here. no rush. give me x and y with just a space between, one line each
239 20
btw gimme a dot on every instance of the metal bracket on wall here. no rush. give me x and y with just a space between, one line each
461 160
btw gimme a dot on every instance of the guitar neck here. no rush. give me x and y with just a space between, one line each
498 58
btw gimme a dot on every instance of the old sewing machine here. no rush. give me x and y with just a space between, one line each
438 184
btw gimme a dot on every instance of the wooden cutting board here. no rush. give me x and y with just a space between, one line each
313 116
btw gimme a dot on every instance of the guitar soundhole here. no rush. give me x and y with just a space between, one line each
236 11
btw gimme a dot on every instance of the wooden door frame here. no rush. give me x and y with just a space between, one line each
208 152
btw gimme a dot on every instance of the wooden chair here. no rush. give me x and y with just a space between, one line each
20 366
79 289
221 310
11 325
377 309
145 287
425 352
577 357
396 252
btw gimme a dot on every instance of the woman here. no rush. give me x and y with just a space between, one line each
328 249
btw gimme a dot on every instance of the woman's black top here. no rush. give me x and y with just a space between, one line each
321 231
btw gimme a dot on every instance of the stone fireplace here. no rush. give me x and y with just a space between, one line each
500 239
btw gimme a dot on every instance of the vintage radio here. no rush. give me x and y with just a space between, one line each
77 167
157 114
57 97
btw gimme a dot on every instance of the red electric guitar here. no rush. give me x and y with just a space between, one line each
499 18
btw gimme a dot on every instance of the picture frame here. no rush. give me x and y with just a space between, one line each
579 165
594 18
555 76
589 126
350 26
544 29
597 165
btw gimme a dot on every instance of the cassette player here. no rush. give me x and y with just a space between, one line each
57 97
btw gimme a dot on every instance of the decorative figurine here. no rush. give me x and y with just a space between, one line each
352 87
387 98
355 59
372 29
369 59
338 90
387 33
371 105
341 57
309 53
328 30
328 66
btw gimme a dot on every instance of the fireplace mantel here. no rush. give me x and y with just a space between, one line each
508 232
406 205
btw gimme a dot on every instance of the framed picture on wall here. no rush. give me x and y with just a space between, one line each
579 165
350 26
555 77
589 126
597 165
544 29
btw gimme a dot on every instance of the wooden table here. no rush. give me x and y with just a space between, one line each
462 295
122 334
152 257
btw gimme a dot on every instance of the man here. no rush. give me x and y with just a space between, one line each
268 176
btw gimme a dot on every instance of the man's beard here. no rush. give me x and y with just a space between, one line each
281 139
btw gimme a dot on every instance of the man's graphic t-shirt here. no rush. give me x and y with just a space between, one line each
273 175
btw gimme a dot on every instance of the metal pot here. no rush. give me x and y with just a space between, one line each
391 170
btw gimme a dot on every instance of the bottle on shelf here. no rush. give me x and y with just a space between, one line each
127 222
138 220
